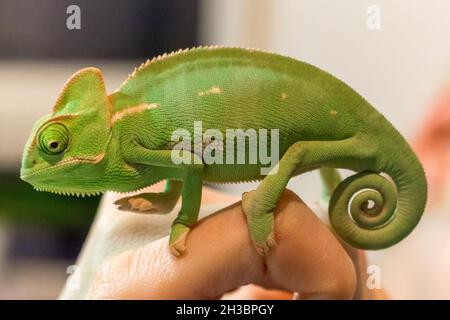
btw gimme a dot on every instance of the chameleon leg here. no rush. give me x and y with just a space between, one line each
160 203
191 193
187 217
259 204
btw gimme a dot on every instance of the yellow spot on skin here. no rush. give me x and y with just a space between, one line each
333 113
130 110
284 96
213 90
97 158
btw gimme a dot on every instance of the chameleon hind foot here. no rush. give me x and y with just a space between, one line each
160 203
177 239
260 223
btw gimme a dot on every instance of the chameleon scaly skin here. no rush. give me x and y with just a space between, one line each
93 142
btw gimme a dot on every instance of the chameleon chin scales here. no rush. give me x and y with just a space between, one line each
94 142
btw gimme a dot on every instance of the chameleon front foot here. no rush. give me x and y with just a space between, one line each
177 240
260 223
159 203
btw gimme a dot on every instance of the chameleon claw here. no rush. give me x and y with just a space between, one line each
246 200
177 249
140 204
178 236
159 203
135 204
260 224
264 247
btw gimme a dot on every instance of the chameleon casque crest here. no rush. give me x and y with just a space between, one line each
94 142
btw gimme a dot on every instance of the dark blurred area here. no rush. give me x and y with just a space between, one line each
110 28
41 233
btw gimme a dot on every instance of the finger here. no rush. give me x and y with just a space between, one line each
308 258
221 257
363 292
254 292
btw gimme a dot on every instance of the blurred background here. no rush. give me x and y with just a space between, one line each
395 53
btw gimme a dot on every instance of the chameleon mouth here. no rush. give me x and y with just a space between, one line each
27 173
38 177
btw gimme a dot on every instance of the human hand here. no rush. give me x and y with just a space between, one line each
127 256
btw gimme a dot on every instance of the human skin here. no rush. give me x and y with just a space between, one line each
122 259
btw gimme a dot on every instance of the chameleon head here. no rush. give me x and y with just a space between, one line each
66 150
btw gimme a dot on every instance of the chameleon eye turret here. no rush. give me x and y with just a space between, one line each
53 138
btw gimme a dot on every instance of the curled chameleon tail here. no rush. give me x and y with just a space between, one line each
369 211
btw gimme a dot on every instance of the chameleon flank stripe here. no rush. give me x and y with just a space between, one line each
94 142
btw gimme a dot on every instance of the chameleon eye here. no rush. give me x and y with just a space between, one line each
53 138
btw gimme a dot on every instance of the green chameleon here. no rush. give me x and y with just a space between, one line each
94 142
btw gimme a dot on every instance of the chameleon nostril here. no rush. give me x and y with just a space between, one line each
33 162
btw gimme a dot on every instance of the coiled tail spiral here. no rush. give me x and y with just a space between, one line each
369 212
